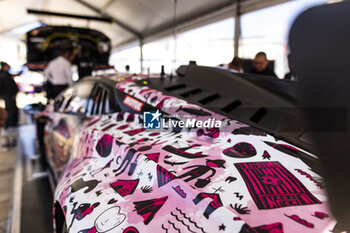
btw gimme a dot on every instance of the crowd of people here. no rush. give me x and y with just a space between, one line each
260 66
58 73
59 76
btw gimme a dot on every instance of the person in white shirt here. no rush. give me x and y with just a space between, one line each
59 73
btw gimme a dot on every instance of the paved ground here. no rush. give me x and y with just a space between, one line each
36 211
36 202
35 197
7 160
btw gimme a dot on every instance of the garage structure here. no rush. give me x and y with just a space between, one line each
136 23
130 21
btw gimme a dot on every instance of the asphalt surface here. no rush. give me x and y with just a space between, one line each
25 196
7 159
36 202
36 211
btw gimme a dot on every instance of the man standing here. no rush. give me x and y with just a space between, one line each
59 73
9 92
260 65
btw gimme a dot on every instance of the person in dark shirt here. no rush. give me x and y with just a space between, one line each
86 64
261 65
127 69
9 92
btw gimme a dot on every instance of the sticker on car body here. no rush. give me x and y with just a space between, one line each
133 103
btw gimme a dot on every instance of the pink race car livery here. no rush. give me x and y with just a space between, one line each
120 170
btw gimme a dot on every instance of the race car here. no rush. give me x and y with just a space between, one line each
207 150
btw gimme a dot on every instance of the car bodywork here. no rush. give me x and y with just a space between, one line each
116 176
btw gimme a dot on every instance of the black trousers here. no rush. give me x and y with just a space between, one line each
54 90
12 111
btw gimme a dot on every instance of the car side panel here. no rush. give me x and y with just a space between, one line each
117 176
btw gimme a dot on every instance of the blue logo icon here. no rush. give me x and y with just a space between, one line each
151 120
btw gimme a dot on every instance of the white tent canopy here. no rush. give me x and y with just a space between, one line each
132 20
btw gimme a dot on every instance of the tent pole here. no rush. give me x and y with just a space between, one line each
141 55
237 27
